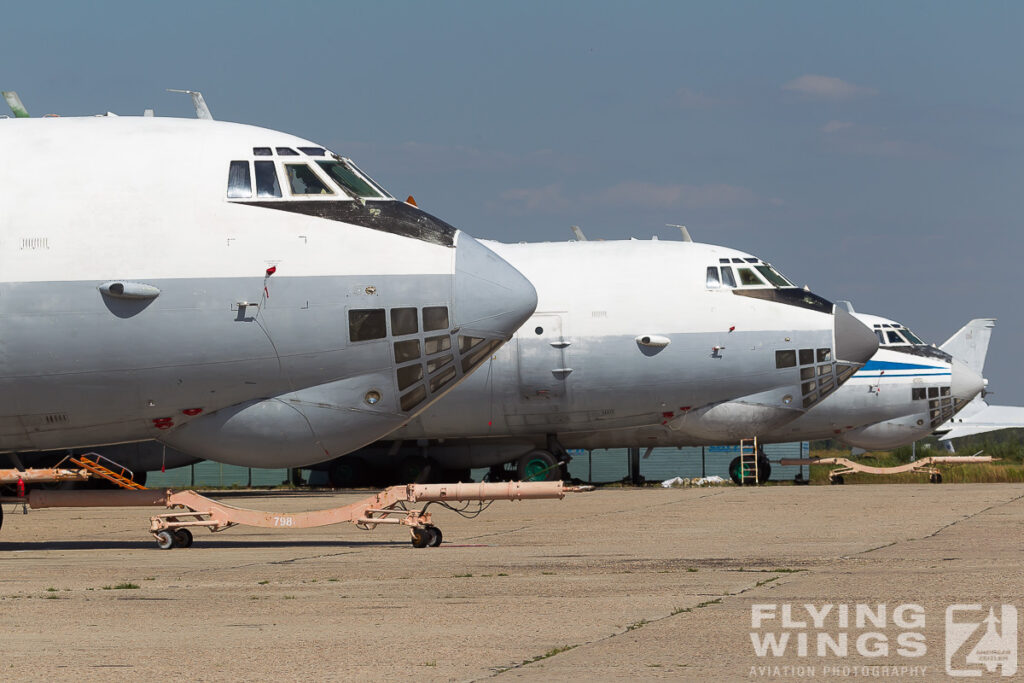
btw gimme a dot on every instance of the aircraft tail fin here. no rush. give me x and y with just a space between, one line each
970 344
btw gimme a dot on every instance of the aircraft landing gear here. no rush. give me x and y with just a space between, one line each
764 470
538 465
935 478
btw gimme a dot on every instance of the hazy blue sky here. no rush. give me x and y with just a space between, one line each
870 149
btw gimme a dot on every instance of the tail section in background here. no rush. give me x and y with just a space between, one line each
970 344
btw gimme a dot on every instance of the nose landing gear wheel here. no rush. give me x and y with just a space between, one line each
837 480
935 478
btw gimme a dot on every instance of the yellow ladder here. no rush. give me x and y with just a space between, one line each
94 467
749 474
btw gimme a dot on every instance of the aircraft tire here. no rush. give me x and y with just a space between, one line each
734 471
1 516
530 466
764 469
935 478
437 537
838 480
165 540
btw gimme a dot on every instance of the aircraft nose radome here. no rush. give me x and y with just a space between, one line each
490 298
965 383
855 342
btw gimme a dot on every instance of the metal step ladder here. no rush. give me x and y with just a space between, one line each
749 474
95 468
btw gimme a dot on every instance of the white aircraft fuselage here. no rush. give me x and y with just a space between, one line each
181 279
628 334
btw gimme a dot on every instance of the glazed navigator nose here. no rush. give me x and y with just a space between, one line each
965 383
491 299
854 341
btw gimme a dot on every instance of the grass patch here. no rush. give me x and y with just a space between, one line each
51 589
262 583
637 624
1008 469
126 585
765 582
463 576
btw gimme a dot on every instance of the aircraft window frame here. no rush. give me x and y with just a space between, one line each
407 350
785 358
262 152
260 169
286 152
806 356
757 281
351 182
737 260
367 178
727 277
881 337
914 339
367 324
773 276
239 180
404 321
711 280
313 175
723 260
409 375
437 344
413 398
894 337
434 316
313 151
918 393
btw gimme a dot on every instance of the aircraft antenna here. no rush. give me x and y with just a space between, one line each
202 111
682 229
14 102
580 237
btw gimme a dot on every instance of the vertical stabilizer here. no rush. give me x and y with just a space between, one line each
970 344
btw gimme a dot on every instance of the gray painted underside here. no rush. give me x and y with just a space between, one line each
79 368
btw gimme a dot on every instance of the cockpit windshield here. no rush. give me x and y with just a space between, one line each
892 334
756 274
349 180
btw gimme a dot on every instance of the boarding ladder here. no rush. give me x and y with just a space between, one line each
748 462
95 468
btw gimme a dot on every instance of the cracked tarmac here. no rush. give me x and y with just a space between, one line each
613 584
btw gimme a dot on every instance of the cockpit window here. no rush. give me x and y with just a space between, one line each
303 180
349 180
286 152
727 278
894 337
749 277
914 339
313 151
712 281
773 276
267 184
239 180
261 152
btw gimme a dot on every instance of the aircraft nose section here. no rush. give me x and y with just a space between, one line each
491 298
854 341
965 383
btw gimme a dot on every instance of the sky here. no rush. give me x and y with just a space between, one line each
872 150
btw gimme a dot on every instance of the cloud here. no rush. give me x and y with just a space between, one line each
712 196
690 99
827 88
549 198
834 126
